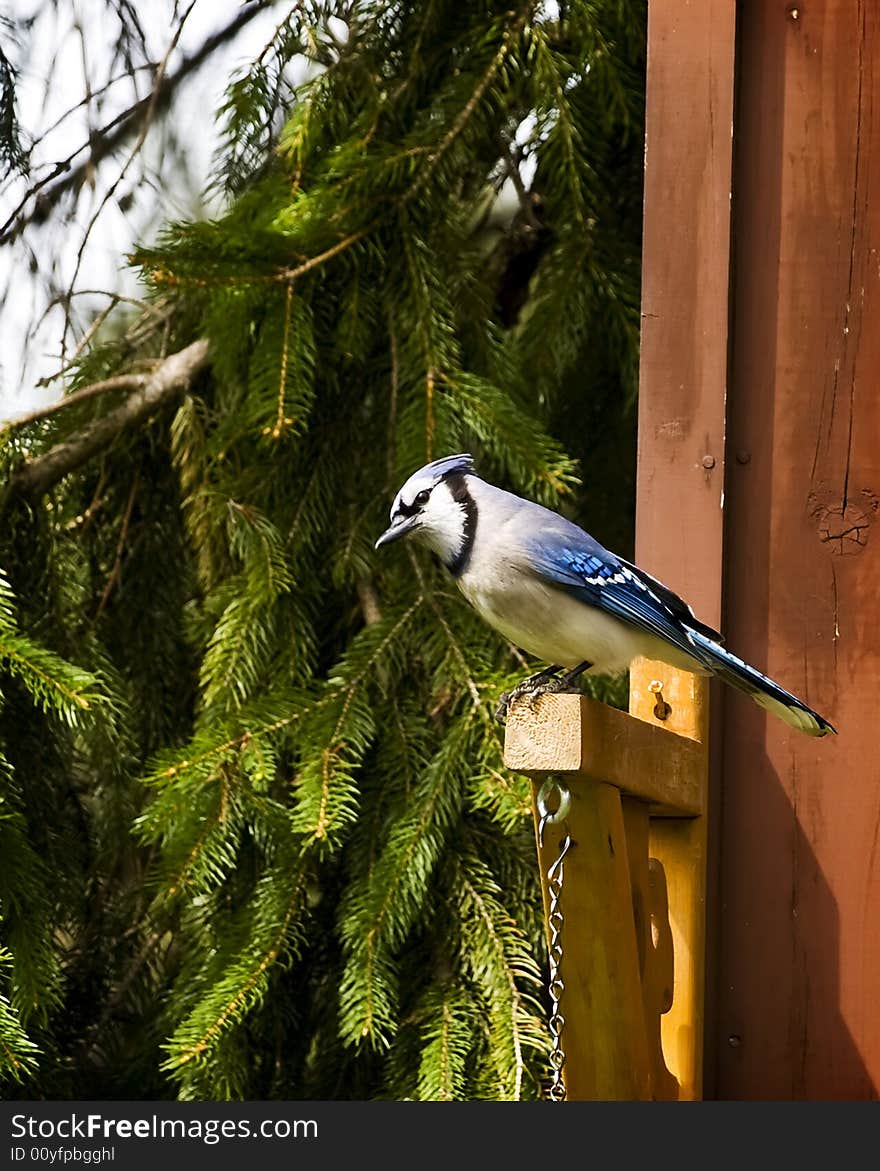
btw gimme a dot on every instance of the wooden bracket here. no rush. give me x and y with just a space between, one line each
634 894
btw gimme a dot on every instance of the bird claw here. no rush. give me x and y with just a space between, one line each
527 687
503 706
540 684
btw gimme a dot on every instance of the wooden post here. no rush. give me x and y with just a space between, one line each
682 408
800 879
679 847
605 1039
623 914
685 302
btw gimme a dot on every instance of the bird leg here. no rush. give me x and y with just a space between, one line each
564 682
537 684
537 681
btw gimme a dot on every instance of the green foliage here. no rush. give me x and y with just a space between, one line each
18 1054
31 961
52 684
283 858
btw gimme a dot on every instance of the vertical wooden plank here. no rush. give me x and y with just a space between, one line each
800 941
679 848
604 1036
684 335
653 941
682 389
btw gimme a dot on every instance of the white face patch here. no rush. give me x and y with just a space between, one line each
436 507
441 523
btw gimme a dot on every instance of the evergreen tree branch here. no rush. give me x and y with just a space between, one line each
448 1038
43 670
331 890
167 382
253 973
18 1054
292 274
471 105
441 618
497 946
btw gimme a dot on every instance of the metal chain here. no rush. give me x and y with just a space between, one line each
555 876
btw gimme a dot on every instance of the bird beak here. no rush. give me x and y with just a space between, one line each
398 528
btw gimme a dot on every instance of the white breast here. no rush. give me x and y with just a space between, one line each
549 623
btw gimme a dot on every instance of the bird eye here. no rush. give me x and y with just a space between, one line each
422 497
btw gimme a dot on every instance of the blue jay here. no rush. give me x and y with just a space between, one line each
554 591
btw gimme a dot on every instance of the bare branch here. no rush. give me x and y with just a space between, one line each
116 572
169 380
120 382
369 601
133 154
110 137
159 311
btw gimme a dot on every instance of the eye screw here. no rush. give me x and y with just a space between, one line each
661 707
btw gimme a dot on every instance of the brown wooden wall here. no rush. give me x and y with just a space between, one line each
760 452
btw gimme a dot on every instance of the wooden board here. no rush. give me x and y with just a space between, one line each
682 392
607 1051
634 901
683 366
679 857
800 925
574 734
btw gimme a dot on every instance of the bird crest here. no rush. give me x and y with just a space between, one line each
441 468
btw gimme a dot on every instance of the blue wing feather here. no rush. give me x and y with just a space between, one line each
576 563
597 577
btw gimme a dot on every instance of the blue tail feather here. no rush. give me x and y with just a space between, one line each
764 691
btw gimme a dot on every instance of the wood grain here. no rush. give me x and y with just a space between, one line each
685 307
605 1040
682 447
800 932
574 734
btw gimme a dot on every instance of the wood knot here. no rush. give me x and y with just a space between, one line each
844 529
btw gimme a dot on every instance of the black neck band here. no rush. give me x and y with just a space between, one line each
457 482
